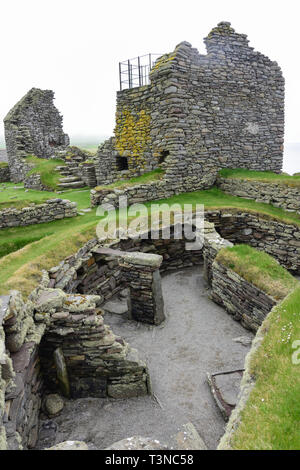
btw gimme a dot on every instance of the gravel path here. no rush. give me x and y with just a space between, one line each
196 338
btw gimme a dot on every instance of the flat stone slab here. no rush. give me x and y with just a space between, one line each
137 443
229 387
188 439
116 306
70 445
225 388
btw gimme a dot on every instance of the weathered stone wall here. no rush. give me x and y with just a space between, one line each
90 271
135 194
201 113
33 126
4 174
21 384
278 239
278 194
53 209
244 301
98 363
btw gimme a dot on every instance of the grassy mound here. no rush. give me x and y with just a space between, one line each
265 176
259 269
46 168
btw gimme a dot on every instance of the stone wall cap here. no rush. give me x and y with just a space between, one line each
143 259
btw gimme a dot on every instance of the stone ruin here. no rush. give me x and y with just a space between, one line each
33 127
200 113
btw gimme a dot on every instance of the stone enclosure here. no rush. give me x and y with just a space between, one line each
60 328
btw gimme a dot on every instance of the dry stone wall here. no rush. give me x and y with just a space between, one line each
21 383
278 194
278 239
93 361
4 174
200 113
93 271
53 209
33 127
97 362
244 301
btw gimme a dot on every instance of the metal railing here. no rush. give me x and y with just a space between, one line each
135 72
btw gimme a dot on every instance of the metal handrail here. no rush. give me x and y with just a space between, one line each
137 71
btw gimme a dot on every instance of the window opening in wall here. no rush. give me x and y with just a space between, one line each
122 163
163 156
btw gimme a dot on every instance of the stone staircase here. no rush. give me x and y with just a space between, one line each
70 178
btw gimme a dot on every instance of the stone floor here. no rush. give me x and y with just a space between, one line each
197 337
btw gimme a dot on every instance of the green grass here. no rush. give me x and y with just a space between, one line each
46 168
259 269
266 176
149 177
10 196
3 164
214 198
271 417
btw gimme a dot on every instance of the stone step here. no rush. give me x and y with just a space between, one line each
73 184
69 179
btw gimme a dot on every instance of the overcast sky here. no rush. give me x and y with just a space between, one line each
73 47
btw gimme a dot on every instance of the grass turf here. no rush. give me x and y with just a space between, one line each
46 168
149 177
259 269
271 417
265 176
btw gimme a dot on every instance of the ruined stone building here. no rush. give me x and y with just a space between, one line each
33 127
198 114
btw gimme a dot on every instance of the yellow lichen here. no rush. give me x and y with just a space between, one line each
132 135
163 61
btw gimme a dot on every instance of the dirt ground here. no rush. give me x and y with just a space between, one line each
196 338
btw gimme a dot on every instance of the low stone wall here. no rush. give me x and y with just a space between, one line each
278 194
4 174
53 209
243 300
278 239
91 271
34 182
137 193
